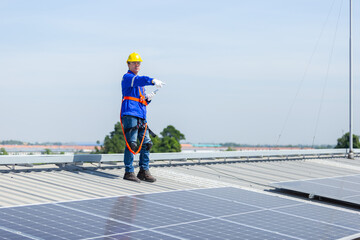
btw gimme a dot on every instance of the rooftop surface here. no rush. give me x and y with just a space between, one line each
40 196
51 183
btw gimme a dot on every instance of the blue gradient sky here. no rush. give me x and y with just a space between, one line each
232 68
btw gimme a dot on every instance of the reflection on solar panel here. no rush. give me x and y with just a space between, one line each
344 188
216 213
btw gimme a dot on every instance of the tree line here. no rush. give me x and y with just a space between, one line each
344 141
169 141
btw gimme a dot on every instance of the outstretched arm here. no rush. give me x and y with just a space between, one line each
130 80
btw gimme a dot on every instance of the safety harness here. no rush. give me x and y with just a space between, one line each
144 102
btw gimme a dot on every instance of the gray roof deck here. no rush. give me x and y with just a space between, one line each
49 183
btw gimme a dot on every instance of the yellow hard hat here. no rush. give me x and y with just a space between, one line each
134 57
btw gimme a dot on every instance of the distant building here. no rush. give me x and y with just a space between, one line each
39 149
188 147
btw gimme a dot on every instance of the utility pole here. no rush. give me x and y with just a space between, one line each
351 152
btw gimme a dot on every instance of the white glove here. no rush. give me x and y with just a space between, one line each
150 96
158 83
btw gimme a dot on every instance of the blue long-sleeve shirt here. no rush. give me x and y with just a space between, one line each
133 86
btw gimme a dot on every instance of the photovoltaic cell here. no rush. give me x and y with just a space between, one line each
220 229
292 225
9 235
353 199
217 213
198 203
49 221
344 188
134 211
246 197
139 235
339 183
317 189
318 213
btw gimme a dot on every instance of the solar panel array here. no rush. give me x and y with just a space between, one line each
215 213
343 188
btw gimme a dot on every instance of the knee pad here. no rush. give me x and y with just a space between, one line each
148 146
133 146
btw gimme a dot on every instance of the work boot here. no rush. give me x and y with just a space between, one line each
145 175
131 177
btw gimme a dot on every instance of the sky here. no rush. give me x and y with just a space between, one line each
250 72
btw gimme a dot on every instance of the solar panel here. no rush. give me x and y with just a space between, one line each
216 213
50 221
292 226
10 235
220 229
133 211
200 204
343 188
140 235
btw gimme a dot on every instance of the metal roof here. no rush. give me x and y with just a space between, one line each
98 158
51 183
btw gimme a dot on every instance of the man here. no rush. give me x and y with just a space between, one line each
133 117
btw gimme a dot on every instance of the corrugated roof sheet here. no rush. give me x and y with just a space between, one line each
48 183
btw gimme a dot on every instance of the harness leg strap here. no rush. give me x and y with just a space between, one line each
133 146
148 146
